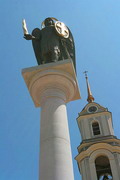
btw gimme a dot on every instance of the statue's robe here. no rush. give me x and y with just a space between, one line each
50 47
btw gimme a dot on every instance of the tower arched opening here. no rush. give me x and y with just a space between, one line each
103 168
96 128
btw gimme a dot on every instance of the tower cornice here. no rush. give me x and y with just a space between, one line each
93 114
98 146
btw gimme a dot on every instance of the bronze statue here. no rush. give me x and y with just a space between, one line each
54 42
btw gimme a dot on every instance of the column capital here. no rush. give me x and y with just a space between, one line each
53 79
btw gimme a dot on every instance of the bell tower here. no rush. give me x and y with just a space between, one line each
99 152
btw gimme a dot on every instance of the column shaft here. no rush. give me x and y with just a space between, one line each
55 150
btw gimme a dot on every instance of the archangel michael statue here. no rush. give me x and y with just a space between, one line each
53 42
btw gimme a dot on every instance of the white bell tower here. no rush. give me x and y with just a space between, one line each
99 152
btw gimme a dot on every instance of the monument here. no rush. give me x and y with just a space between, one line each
52 84
54 42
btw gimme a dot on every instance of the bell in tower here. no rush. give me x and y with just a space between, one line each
105 177
99 152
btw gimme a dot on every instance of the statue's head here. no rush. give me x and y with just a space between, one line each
48 22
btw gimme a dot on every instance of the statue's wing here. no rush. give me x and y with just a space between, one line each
36 44
70 47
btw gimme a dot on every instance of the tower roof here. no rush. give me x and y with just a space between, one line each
90 96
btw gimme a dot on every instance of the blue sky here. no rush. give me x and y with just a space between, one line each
95 26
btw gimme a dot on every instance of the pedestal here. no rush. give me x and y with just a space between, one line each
51 86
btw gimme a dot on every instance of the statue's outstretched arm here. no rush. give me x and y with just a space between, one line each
27 36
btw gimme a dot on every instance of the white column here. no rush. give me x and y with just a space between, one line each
51 86
55 150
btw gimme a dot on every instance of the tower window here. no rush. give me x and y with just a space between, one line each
96 128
